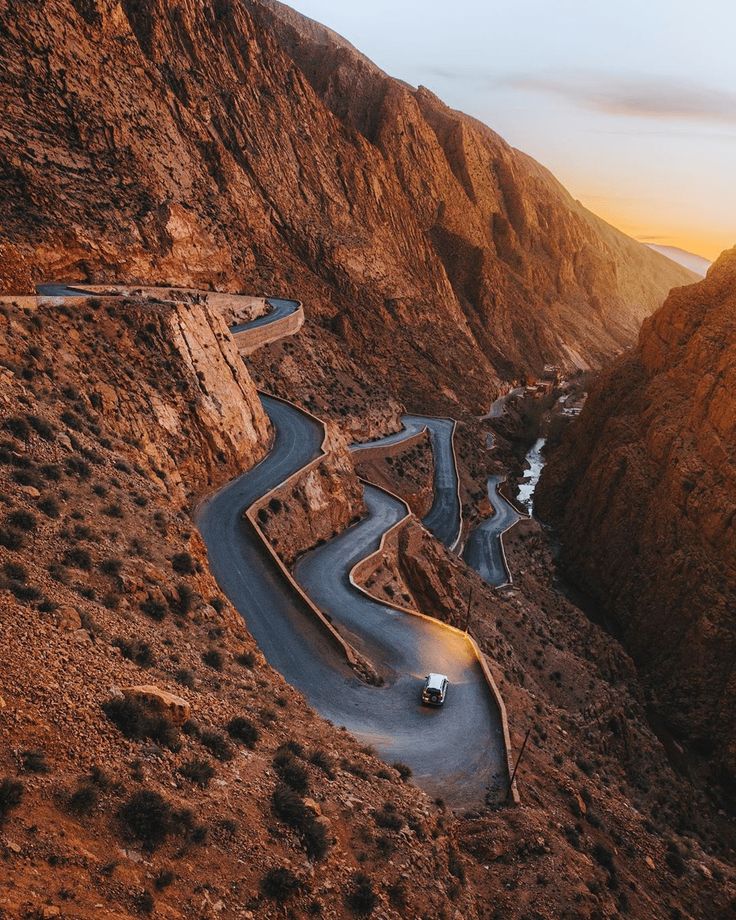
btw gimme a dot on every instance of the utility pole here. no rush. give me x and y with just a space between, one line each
467 616
518 761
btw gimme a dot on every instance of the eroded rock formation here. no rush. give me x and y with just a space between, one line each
643 491
221 143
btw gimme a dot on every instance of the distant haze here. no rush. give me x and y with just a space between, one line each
632 105
697 264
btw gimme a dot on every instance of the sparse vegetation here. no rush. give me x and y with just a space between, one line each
289 808
183 564
11 795
34 762
403 770
83 800
322 760
217 744
280 884
137 722
213 659
135 650
361 899
147 817
198 770
242 729
291 771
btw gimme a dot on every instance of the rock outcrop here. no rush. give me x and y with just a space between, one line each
219 143
643 491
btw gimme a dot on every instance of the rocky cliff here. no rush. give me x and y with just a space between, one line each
643 490
217 142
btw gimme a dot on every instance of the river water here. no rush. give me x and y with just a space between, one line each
528 484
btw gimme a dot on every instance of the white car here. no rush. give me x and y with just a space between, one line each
434 690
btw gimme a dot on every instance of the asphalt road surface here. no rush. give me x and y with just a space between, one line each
280 309
457 751
483 551
58 290
443 518
498 406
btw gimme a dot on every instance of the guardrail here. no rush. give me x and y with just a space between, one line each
250 340
356 661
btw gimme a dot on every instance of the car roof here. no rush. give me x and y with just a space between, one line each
435 680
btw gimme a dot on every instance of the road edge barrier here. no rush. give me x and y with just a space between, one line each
356 661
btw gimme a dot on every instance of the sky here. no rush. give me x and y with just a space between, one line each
631 104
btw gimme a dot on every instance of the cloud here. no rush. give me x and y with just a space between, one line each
641 97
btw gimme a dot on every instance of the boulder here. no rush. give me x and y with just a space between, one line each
175 708
68 618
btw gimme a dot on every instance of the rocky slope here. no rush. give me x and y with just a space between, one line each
643 491
164 804
215 142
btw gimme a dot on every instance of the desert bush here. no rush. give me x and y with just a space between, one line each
675 862
111 566
24 593
217 744
291 771
34 762
11 539
41 427
184 677
182 600
135 650
322 760
218 603
154 608
403 770
51 471
18 427
213 659
455 865
11 795
246 659
83 800
78 466
49 506
289 808
137 722
388 817
22 520
361 899
147 817
183 564
163 878
113 510
280 884
78 558
604 857
241 729
15 571
397 894
198 770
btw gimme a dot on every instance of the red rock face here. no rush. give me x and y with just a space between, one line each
219 143
644 492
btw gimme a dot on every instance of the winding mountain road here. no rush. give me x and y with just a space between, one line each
444 518
484 550
457 752
280 310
